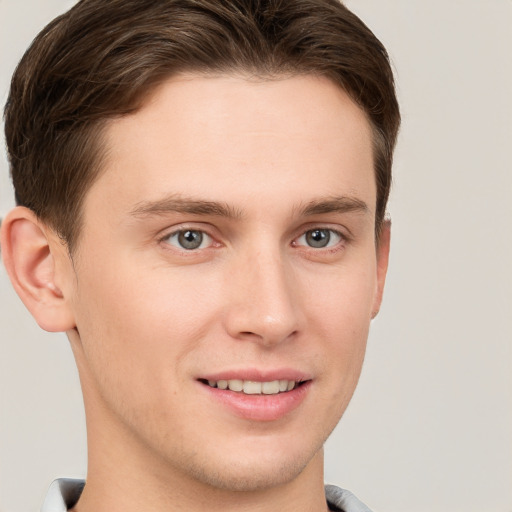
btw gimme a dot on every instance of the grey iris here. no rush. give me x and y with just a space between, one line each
190 239
318 238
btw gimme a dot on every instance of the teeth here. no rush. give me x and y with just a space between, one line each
250 387
236 385
270 388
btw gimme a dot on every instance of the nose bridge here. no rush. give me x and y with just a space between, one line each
263 304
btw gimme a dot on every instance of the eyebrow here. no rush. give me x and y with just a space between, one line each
340 204
180 204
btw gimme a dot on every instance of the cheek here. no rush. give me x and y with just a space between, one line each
341 315
343 300
142 323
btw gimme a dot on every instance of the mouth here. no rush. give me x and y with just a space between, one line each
252 387
257 395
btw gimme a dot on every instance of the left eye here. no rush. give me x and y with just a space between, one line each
189 239
319 238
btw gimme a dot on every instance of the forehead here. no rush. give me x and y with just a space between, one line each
234 139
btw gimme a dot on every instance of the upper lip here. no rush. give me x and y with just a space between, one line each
258 375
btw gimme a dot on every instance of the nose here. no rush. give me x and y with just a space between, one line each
262 300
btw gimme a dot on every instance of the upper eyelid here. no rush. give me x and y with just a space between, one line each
342 235
164 240
185 226
342 231
211 231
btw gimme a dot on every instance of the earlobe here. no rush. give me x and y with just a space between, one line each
28 254
383 245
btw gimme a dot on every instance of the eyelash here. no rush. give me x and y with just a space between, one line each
339 237
328 231
176 234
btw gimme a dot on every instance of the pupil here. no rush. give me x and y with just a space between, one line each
190 239
318 237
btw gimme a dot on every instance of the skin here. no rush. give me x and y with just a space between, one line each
147 318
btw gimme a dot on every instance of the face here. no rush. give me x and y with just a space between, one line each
226 276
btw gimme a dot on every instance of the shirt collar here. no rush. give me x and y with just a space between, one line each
62 495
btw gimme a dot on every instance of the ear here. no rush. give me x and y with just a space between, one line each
383 244
30 250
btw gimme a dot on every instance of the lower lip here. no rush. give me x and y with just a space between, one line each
260 407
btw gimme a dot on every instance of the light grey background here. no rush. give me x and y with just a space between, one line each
430 427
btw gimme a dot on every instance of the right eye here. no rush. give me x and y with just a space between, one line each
188 239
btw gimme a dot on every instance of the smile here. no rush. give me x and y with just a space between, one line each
257 397
251 387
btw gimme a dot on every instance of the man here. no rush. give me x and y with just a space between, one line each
202 187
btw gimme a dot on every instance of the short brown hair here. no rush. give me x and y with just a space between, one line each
101 59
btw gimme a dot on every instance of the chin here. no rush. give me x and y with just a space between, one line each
250 478
254 470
